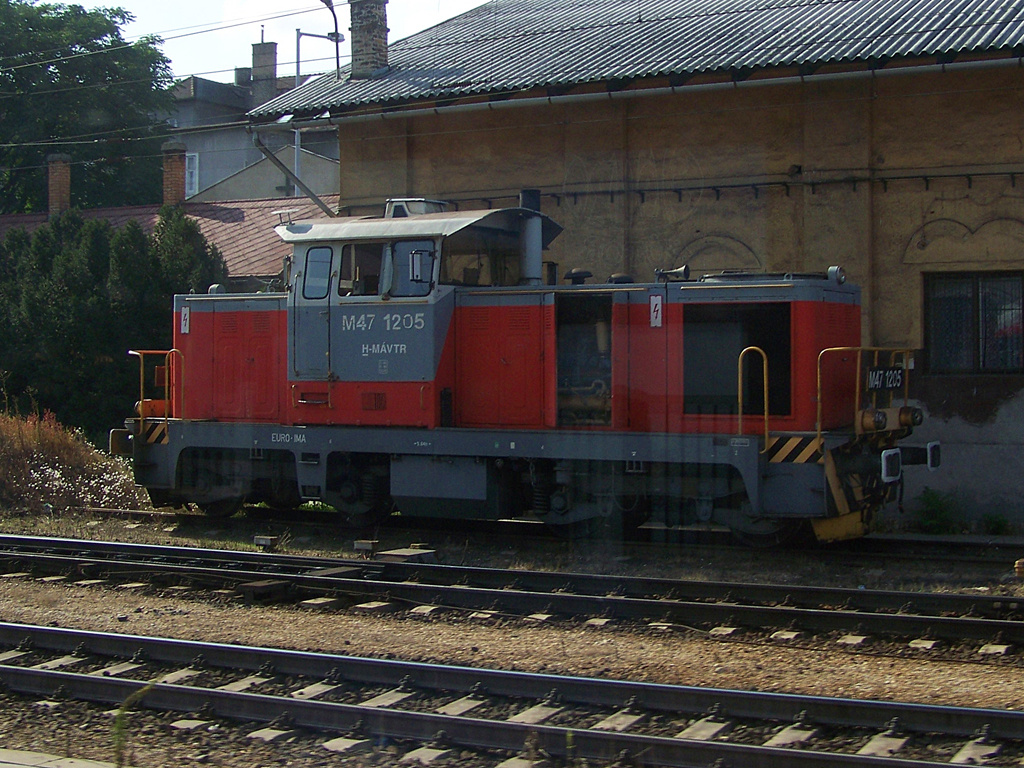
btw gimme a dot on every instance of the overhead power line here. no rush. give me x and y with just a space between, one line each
113 84
157 38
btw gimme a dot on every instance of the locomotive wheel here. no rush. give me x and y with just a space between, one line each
284 498
356 513
764 533
221 508
358 492
634 510
360 515
591 528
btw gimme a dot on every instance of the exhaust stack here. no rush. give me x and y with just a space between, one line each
531 239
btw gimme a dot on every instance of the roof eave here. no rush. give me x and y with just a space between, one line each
661 83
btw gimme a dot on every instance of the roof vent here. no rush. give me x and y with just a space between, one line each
400 207
578 276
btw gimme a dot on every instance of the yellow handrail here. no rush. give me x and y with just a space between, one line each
739 391
894 352
168 384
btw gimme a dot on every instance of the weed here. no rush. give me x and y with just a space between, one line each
45 466
121 724
939 513
994 524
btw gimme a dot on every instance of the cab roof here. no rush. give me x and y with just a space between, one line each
428 225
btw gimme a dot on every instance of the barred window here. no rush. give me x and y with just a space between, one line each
973 322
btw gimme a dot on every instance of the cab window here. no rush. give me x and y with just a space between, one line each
360 269
316 282
490 262
412 262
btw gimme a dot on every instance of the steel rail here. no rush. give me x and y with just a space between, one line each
982 551
425 726
564 603
544 581
684 700
525 602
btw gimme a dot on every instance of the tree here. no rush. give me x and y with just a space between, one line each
66 73
77 295
187 261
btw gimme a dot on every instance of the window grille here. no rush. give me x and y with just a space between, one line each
973 322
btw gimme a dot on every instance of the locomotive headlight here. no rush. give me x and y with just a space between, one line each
911 417
872 420
892 466
837 274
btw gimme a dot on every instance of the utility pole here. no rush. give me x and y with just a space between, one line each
334 37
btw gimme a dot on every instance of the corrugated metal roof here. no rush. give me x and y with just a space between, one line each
507 46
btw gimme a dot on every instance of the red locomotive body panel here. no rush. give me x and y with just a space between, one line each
231 362
503 371
837 325
643 365
498 361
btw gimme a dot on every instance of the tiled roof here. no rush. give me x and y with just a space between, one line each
146 215
243 230
506 46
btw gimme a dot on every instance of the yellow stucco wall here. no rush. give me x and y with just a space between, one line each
891 176
773 176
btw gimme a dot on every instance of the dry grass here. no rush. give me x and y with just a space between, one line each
45 466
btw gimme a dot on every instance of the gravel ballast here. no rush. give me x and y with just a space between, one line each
673 657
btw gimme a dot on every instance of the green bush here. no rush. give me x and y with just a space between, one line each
994 524
939 513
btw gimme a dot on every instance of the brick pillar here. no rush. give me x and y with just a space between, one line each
369 35
58 183
174 172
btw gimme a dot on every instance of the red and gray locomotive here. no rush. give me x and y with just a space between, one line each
426 361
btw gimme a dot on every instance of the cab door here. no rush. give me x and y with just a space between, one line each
310 332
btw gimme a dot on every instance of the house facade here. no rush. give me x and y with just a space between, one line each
883 137
222 161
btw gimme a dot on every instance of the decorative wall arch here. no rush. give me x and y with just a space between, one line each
713 253
951 242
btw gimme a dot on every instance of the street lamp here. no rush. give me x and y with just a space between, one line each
334 37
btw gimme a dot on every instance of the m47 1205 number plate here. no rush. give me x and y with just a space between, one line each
886 378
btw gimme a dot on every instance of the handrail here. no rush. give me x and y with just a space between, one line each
894 352
739 391
168 383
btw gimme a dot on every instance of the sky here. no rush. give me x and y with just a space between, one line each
210 38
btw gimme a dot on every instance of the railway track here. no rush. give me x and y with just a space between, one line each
981 552
992 623
498 713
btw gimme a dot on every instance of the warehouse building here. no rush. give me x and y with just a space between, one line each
884 137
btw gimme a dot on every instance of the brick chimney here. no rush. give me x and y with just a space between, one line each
58 177
174 172
264 73
369 32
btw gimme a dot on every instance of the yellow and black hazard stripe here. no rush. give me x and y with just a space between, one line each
154 432
795 449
